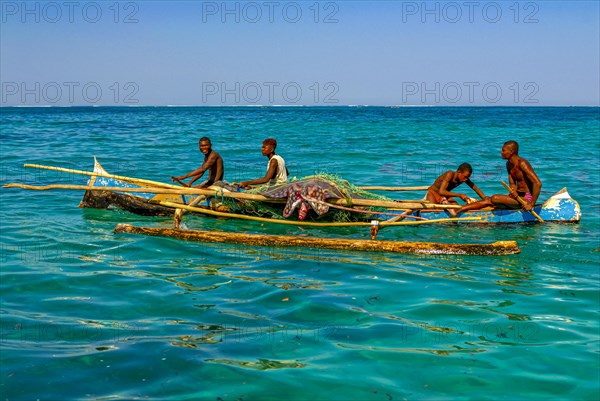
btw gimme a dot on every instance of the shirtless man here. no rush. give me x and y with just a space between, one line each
439 191
522 179
276 171
212 162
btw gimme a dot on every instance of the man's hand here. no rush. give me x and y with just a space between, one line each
464 197
527 206
178 179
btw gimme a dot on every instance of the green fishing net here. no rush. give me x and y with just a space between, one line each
275 210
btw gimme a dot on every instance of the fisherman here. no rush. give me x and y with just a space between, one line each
439 191
213 162
276 173
522 179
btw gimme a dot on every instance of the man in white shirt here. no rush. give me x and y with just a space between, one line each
276 171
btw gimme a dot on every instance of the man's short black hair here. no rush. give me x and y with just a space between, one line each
513 145
270 141
466 168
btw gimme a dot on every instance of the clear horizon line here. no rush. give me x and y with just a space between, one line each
291 105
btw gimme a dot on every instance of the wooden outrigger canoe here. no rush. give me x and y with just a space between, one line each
105 190
560 207
146 197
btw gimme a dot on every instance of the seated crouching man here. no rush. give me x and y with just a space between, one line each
440 191
276 173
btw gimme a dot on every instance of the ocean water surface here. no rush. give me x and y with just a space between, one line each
87 314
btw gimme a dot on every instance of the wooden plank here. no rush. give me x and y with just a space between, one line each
312 223
384 188
522 202
428 248
149 190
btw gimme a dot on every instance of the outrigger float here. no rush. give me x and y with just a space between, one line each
320 202
425 248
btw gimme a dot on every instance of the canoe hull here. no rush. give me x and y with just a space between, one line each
144 204
560 208
129 203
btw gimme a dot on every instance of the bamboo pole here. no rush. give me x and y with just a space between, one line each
237 195
350 209
165 185
380 188
396 204
149 190
522 202
313 223
429 248
182 191
107 175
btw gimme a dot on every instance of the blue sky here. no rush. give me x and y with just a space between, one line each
527 53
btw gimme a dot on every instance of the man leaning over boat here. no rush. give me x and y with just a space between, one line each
439 191
277 172
213 162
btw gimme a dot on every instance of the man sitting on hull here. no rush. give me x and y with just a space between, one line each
523 182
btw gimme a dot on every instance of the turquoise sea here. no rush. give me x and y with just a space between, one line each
90 315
